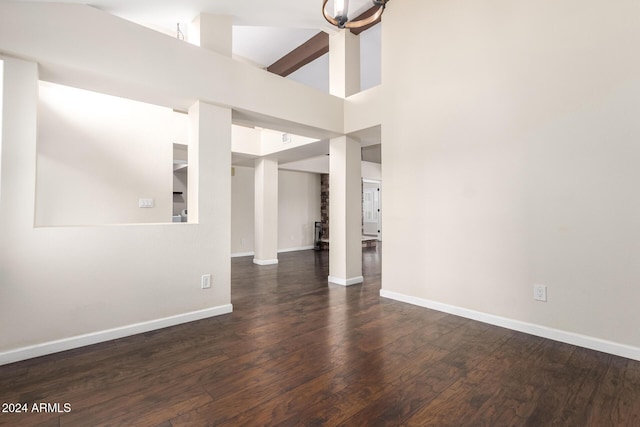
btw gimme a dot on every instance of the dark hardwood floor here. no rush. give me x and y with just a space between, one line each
297 352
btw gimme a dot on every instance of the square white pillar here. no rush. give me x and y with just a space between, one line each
213 32
344 64
209 159
209 179
345 212
266 212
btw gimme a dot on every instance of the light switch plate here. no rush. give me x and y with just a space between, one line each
145 203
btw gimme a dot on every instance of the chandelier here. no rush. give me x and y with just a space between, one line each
341 10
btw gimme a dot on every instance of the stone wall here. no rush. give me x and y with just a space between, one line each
324 205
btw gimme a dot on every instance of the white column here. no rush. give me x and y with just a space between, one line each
209 159
213 32
345 198
345 212
209 179
344 64
266 212
209 182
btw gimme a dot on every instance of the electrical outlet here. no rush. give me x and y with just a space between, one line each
540 293
205 282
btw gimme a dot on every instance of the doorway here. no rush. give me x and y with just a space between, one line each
371 209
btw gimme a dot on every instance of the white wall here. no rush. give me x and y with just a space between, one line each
511 137
97 155
363 110
271 141
372 171
370 57
246 140
63 287
242 211
298 209
319 164
315 74
1 103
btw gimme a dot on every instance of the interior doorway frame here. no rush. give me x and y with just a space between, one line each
379 184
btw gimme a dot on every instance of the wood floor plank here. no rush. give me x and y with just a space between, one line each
297 351
275 411
30 420
628 402
148 407
455 404
401 399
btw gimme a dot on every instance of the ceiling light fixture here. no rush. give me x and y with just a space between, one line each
341 10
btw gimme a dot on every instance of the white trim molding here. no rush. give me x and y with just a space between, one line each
299 248
517 325
265 261
241 254
51 347
345 282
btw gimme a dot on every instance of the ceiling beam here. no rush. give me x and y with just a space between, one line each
309 51
313 48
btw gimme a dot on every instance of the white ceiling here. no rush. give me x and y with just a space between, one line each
165 13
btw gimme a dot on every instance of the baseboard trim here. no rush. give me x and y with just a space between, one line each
296 249
299 248
265 261
51 347
241 254
345 282
572 338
